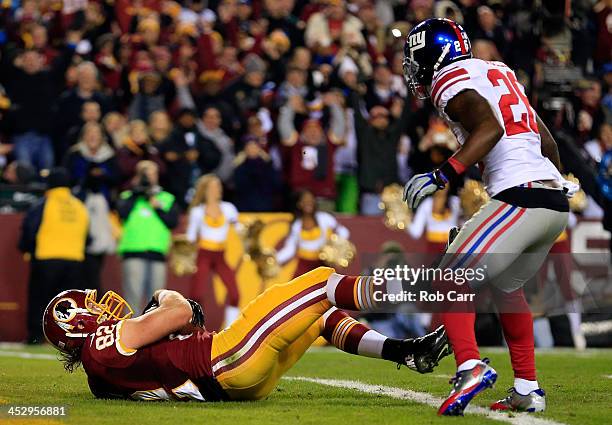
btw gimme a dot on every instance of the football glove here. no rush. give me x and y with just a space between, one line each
570 188
197 318
421 186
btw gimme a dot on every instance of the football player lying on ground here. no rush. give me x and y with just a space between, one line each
167 354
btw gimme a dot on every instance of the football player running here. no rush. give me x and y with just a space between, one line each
489 113
167 354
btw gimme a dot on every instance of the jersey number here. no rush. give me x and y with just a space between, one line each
515 95
105 337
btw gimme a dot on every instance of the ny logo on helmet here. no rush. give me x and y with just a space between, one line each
416 42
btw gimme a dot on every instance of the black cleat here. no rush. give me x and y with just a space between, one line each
424 353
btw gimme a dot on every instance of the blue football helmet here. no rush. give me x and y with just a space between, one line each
430 46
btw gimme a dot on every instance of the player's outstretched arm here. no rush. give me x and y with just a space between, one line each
473 112
478 119
549 146
173 314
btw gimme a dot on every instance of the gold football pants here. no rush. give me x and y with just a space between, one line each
270 336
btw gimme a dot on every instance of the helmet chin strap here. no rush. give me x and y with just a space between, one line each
445 51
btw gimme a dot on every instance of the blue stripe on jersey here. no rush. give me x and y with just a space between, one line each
484 235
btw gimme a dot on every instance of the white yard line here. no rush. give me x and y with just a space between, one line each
589 352
441 376
24 355
424 398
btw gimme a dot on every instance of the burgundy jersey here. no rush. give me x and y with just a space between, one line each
174 368
303 173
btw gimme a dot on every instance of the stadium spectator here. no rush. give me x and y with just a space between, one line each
188 154
489 29
116 128
53 236
245 94
71 101
311 157
603 50
149 97
93 172
40 43
381 90
160 127
256 181
137 147
332 28
258 129
91 162
597 147
589 111
274 49
33 88
148 214
107 63
377 146
90 113
294 85
210 127
420 10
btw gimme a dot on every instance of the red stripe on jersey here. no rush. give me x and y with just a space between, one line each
443 73
440 81
459 37
449 85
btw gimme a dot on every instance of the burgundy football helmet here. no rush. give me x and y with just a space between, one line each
74 314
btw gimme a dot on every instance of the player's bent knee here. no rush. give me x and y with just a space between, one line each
322 271
313 277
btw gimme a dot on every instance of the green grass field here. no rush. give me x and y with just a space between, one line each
579 387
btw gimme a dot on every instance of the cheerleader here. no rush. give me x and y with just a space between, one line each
308 234
435 217
209 222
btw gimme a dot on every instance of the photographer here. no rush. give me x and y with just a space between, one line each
148 214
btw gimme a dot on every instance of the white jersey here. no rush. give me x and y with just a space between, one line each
308 243
517 157
211 233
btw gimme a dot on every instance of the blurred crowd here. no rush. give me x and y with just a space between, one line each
274 96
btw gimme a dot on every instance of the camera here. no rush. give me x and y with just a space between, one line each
145 187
